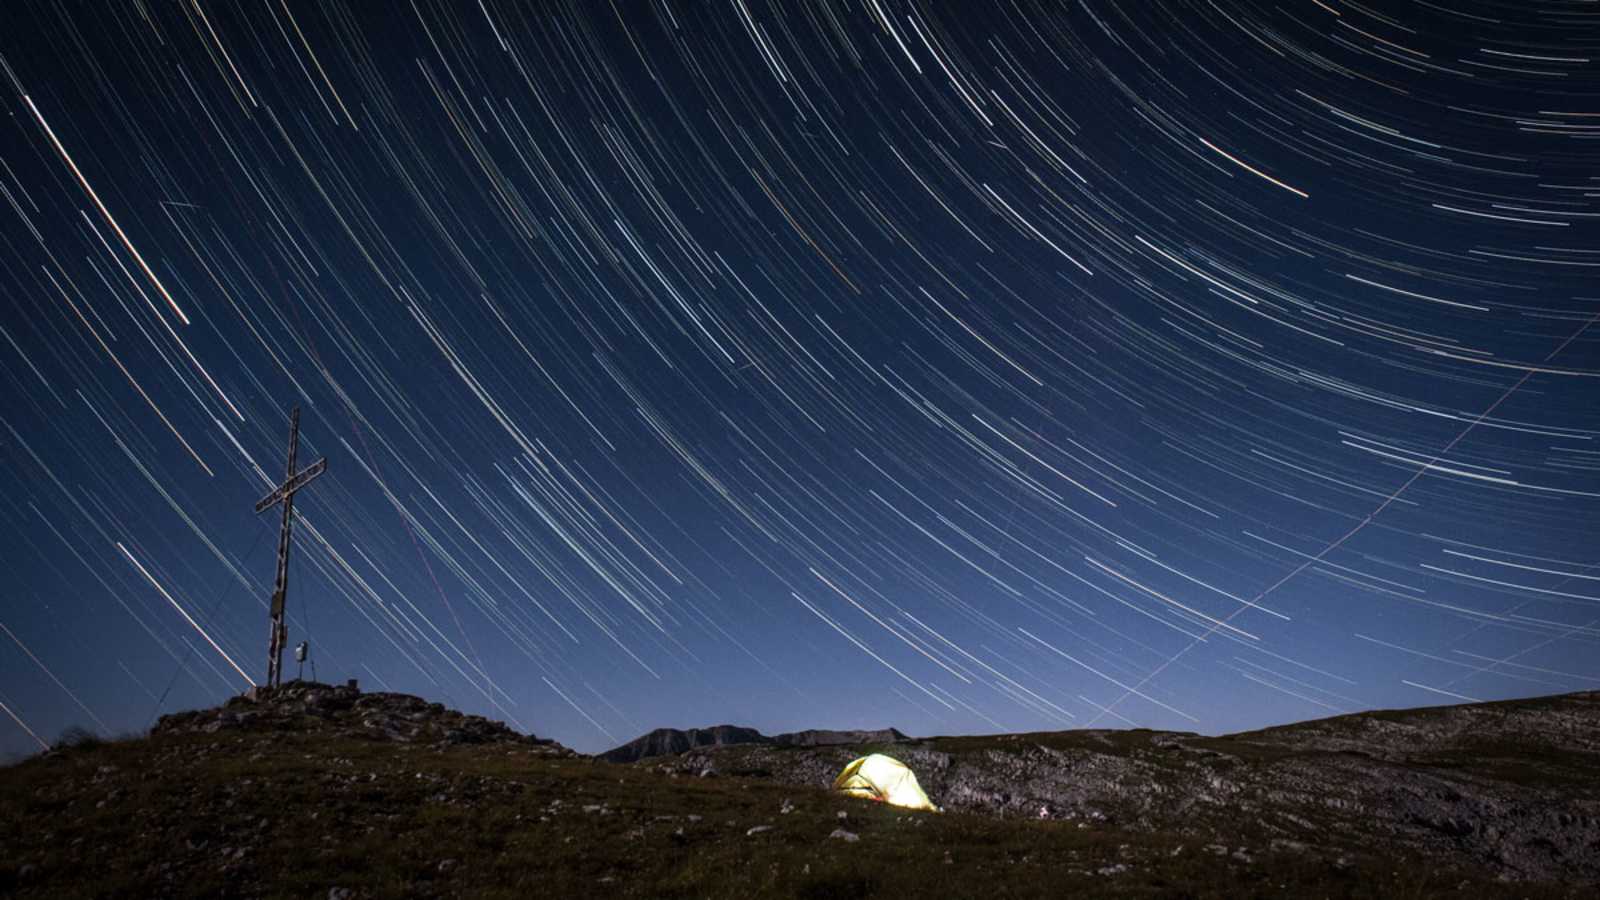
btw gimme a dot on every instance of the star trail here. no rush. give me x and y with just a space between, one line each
959 367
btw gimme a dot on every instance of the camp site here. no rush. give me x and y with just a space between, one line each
702 449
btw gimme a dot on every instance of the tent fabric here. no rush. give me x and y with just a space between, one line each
885 779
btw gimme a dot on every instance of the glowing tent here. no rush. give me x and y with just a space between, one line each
885 779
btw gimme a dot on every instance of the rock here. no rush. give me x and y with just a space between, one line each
786 807
849 837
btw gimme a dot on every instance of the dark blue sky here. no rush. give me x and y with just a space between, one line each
959 367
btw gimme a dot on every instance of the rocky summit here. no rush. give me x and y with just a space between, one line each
309 707
318 791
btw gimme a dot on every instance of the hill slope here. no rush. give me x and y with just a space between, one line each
320 792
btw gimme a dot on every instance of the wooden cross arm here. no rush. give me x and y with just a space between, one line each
300 480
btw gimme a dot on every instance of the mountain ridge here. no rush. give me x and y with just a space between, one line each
676 741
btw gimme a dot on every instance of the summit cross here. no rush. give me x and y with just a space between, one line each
284 494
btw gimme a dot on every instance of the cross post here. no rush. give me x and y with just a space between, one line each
284 494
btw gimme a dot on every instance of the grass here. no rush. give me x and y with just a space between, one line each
291 815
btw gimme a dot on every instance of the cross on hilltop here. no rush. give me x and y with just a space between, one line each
284 493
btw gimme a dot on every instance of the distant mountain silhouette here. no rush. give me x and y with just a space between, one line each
674 741
826 738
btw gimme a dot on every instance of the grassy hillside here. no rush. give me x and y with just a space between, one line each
304 810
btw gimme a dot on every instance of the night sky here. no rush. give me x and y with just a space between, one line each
960 367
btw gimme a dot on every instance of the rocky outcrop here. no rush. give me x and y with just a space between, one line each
344 711
673 741
1512 787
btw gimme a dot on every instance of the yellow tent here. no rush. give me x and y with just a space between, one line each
885 779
